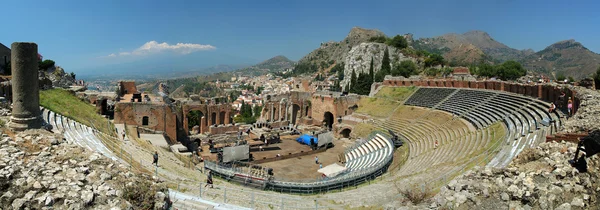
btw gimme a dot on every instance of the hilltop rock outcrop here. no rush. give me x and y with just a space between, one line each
359 57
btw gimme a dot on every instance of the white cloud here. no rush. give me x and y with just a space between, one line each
155 47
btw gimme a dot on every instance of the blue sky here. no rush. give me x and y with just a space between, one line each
89 37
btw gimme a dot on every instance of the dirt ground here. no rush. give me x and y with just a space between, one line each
299 168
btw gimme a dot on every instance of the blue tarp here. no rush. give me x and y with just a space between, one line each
305 139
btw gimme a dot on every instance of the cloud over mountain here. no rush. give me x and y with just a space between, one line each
152 47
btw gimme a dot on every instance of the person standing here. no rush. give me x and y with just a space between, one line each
209 180
316 160
155 158
123 134
570 107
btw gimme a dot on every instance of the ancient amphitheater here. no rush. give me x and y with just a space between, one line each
447 131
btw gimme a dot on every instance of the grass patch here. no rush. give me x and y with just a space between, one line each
67 104
377 107
364 129
396 93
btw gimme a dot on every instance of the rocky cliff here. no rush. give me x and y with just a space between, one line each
56 77
40 171
358 59
336 51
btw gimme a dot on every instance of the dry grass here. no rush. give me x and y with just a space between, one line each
364 129
400 157
415 193
141 193
395 93
409 112
377 107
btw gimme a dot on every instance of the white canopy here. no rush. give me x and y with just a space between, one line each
332 170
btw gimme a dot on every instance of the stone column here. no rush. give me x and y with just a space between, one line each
280 112
26 98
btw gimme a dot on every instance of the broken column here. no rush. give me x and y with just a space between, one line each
25 89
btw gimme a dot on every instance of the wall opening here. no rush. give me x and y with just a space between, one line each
194 118
346 133
328 120
145 120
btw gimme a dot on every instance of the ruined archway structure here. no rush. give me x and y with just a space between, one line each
213 116
308 108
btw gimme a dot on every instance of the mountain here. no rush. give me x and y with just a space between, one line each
569 58
470 47
330 52
274 64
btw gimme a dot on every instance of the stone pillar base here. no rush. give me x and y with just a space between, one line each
21 124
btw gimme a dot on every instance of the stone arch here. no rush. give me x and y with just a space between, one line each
346 132
213 118
194 117
145 120
328 120
222 117
295 113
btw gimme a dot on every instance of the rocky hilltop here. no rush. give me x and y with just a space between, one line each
56 76
336 51
40 171
358 59
569 58
472 46
274 64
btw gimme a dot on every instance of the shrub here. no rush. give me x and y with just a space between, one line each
415 193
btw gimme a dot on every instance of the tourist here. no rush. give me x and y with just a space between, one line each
320 165
436 144
552 108
209 180
123 133
570 107
260 148
316 160
155 158
278 155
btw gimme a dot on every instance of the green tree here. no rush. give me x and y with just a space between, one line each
511 70
398 42
256 111
405 68
571 79
378 39
385 67
339 68
363 85
43 65
73 75
560 77
432 72
7 69
352 80
434 60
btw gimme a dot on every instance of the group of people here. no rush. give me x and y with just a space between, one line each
552 108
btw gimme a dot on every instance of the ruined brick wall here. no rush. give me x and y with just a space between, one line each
213 114
224 129
160 117
127 87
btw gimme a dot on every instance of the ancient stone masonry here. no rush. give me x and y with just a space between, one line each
211 116
26 105
321 109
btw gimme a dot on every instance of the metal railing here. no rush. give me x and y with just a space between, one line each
310 186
